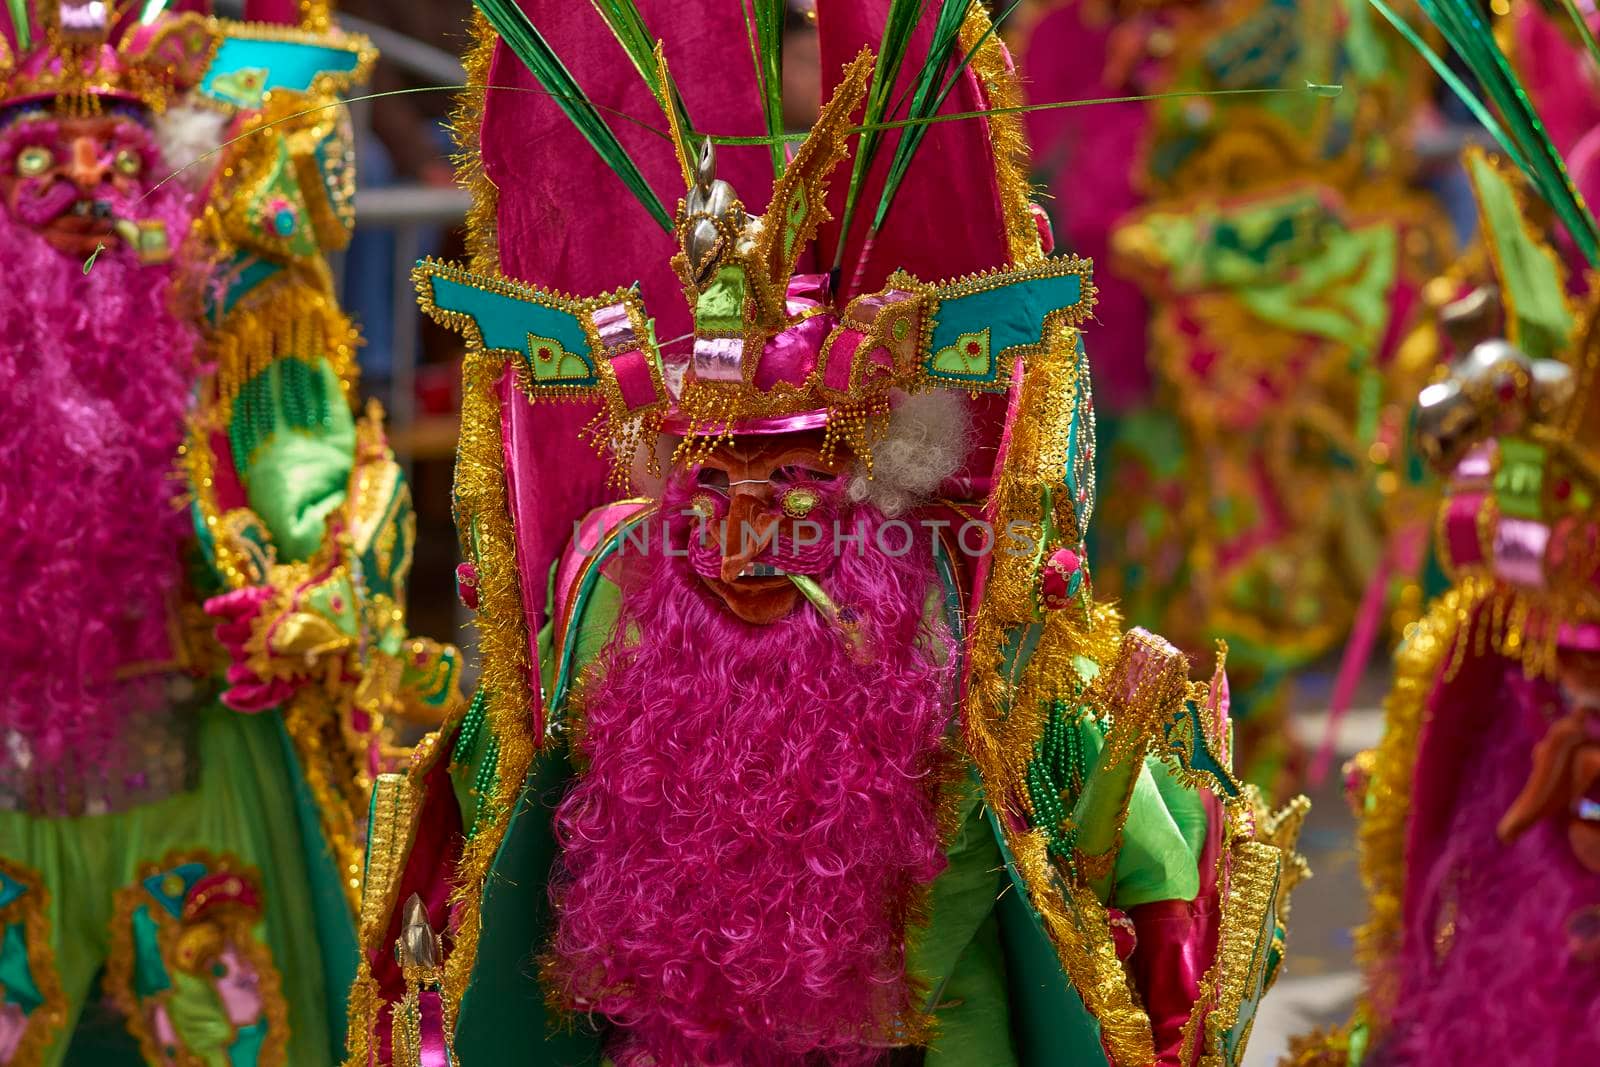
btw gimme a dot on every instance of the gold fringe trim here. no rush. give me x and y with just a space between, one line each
466 126
1005 716
1007 139
289 317
1382 834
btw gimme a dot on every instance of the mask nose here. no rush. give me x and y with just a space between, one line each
88 165
751 528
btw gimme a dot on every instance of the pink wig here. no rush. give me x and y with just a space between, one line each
95 379
757 819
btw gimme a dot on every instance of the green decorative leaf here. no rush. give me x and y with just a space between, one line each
902 20
1519 129
925 104
19 22
1582 26
530 46
628 25
764 19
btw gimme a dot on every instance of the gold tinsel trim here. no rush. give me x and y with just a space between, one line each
466 124
1005 717
1007 139
503 648
1254 882
486 536
1382 834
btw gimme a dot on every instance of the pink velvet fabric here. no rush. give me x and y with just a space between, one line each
280 11
1495 959
1088 157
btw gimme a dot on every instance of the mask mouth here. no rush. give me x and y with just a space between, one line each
763 570
96 209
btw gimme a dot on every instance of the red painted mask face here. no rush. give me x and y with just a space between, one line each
769 506
69 178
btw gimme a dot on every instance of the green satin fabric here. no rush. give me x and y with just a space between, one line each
958 954
1163 835
297 477
243 805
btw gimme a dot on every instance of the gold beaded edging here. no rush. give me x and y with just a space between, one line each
1004 716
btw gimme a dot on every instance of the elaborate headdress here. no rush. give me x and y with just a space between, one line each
81 53
771 350
1515 430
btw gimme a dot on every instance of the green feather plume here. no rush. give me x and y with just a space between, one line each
764 19
1504 108
19 22
530 46
902 20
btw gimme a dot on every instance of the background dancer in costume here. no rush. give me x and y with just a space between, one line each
1480 809
776 798
1263 259
179 814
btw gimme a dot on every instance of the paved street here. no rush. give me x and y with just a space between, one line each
1320 984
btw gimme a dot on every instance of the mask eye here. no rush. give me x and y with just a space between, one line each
798 502
703 506
34 160
129 163
710 478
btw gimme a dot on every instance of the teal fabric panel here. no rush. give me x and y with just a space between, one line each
329 917
16 977
285 65
1050 1023
1013 314
505 321
503 1017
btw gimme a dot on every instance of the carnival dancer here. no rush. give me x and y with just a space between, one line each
204 550
1480 808
1281 244
832 757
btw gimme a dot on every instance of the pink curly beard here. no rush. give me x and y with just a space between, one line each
94 384
756 821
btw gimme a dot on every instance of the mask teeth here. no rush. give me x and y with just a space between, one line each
762 570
